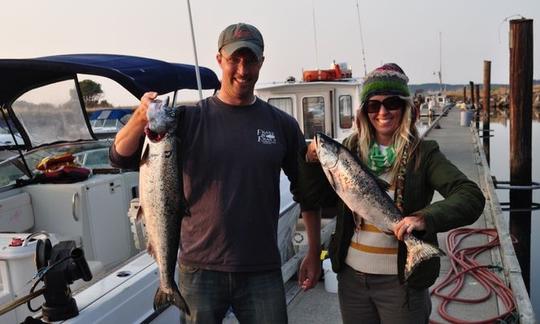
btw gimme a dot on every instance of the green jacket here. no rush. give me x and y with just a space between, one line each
463 204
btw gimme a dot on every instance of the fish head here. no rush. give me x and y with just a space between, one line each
327 150
162 119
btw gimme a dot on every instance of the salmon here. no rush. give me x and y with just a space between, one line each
363 193
162 205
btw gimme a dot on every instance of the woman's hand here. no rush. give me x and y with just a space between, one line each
311 153
409 224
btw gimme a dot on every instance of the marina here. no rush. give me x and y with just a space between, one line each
132 272
72 242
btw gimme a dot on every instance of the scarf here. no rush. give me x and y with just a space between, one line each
379 161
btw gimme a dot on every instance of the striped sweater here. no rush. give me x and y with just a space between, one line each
372 251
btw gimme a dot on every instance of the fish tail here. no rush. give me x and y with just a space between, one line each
417 252
163 299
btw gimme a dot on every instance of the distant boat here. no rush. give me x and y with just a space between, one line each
434 104
107 122
6 138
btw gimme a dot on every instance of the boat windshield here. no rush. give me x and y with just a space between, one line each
52 113
92 155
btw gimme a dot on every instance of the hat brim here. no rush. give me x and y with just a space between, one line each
229 49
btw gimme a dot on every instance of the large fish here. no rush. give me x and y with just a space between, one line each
361 191
162 206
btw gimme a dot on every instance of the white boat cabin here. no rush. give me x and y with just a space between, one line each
318 106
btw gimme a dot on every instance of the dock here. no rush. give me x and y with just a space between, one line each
462 146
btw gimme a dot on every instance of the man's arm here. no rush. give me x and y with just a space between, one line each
310 268
128 138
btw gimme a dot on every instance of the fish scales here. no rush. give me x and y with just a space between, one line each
162 206
361 192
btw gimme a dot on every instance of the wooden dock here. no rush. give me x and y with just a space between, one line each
462 146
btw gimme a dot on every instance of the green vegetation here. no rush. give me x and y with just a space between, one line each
92 93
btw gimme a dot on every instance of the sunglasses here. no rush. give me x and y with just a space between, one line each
390 103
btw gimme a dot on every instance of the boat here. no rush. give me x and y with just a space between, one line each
107 122
81 207
434 104
323 101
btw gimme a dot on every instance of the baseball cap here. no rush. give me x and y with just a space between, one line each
241 35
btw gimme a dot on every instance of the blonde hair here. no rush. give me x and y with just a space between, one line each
405 138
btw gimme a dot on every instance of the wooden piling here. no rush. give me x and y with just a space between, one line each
465 95
473 102
486 108
478 106
521 77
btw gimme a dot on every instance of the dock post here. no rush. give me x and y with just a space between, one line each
478 106
465 95
486 108
521 77
473 102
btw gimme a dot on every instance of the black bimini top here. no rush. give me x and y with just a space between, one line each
42 123
137 74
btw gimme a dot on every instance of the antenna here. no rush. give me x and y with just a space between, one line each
361 38
197 73
440 60
315 35
439 73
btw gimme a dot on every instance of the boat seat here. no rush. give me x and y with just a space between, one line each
16 214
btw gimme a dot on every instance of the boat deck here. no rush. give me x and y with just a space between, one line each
458 144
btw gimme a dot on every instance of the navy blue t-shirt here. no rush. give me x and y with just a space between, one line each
232 157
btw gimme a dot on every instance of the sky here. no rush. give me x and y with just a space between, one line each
406 32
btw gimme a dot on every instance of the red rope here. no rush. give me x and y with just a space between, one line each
463 264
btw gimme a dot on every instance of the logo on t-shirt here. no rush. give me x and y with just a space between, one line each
266 137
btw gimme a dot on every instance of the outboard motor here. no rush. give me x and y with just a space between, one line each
60 265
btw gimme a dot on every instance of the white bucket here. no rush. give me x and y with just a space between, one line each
330 277
466 117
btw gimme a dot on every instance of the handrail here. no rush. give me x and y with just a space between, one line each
512 268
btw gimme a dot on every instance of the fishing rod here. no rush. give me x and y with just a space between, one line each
361 38
197 72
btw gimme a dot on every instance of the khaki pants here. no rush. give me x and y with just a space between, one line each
371 298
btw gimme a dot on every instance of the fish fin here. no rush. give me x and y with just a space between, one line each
145 152
382 184
150 249
140 214
331 180
163 299
417 252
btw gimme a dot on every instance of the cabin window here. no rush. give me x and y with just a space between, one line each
284 104
52 113
345 112
313 110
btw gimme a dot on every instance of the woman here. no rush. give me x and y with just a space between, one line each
370 263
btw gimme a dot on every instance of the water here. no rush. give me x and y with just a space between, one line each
500 168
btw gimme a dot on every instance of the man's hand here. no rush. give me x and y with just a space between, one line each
127 139
141 111
310 271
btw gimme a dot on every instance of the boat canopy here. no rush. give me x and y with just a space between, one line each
40 122
137 74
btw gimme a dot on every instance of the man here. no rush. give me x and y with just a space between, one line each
233 147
